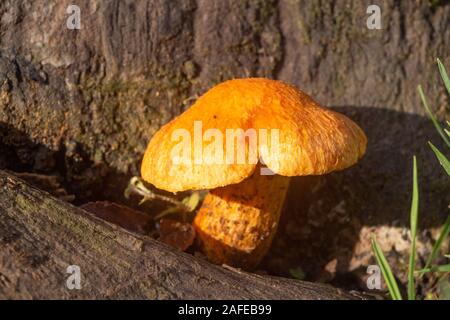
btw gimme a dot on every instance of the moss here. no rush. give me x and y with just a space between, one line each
190 69
22 202
124 114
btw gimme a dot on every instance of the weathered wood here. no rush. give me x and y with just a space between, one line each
40 236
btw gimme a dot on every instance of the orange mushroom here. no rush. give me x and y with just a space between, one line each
239 216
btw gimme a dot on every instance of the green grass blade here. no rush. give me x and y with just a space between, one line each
414 216
443 268
440 240
442 159
444 75
386 271
432 117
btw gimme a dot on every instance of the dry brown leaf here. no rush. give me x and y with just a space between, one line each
177 234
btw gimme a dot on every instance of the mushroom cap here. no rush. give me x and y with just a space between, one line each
312 140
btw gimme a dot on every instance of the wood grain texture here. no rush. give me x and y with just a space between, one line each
40 236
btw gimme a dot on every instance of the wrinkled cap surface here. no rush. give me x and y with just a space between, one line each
312 140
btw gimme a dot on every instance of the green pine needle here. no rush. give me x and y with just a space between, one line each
437 246
442 159
443 268
447 132
432 117
386 271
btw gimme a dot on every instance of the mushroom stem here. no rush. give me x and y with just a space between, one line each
236 224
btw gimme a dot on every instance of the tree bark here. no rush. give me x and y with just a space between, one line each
83 104
41 236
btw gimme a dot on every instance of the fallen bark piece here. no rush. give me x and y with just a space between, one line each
45 241
177 234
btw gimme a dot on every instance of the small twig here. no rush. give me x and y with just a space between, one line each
228 267
137 186
188 204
